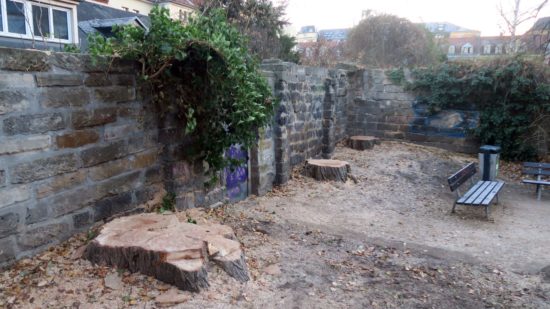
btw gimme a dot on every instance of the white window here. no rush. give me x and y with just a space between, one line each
487 49
498 49
28 20
467 49
451 50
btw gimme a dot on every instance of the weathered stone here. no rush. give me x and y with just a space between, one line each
32 124
103 80
43 235
115 94
97 117
60 183
2 178
36 213
64 97
7 250
99 154
17 80
119 184
71 201
12 195
23 60
14 100
145 159
110 206
11 145
55 79
82 220
153 175
110 169
174 252
8 223
121 131
44 168
77 139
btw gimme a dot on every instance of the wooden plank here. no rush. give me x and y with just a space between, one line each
537 182
461 176
536 164
493 193
485 193
536 171
470 192
476 194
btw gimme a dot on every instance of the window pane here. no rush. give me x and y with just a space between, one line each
61 24
16 17
1 20
40 21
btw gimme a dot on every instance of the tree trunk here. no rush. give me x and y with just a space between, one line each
328 170
363 142
172 251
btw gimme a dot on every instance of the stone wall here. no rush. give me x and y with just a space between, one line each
380 108
78 146
310 116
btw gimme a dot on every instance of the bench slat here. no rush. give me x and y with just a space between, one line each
536 171
476 194
461 176
537 182
485 193
536 164
470 192
493 193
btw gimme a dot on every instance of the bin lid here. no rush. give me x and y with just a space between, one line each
489 149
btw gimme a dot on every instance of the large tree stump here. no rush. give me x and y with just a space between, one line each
327 170
172 251
363 142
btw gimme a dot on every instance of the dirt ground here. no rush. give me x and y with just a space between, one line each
388 241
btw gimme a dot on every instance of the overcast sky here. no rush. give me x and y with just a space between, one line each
479 15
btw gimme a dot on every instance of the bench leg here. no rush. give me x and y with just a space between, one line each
454 206
487 211
539 192
497 199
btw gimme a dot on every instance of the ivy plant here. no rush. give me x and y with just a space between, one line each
511 94
202 73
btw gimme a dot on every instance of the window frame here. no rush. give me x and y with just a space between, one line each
29 22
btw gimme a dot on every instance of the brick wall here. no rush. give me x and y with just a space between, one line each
310 117
379 107
78 146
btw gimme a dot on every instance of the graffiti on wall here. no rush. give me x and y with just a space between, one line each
448 123
236 178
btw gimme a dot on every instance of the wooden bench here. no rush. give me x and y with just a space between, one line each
539 170
480 194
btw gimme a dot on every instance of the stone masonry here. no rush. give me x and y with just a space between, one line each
81 141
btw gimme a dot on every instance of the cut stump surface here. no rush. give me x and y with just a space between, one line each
174 252
363 142
328 170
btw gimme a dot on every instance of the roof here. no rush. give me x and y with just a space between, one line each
444 27
188 3
541 24
334 34
94 17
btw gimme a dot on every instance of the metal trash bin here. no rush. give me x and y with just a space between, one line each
489 157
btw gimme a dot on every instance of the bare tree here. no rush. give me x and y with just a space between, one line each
514 15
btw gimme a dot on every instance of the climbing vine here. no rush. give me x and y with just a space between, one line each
511 94
200 72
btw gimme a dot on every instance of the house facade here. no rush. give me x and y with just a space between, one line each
179 9
38 24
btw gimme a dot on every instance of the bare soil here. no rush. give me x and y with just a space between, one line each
387 241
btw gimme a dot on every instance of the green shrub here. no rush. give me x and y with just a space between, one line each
201 72
511 94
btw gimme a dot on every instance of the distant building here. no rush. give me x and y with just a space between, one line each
307 34
334 35
179 9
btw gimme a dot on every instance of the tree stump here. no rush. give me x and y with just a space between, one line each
363 142
328 170
174 252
